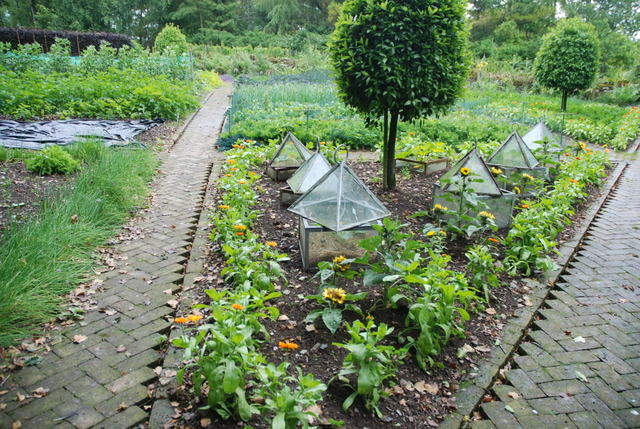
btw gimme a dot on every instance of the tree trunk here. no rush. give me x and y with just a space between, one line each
563 107
385 127
389 155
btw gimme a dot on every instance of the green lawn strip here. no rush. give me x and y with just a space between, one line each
44 259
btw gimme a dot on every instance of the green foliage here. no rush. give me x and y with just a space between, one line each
568 58
52 160
482 268
399 60
50 255
171 39
371 362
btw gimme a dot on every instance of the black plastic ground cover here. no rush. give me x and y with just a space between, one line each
38 135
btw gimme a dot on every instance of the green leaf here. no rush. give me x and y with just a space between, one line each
349 401
332 318
231 380
371 278
279 422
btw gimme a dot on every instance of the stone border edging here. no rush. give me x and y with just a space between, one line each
470 396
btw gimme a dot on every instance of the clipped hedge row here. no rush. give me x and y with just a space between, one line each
79 40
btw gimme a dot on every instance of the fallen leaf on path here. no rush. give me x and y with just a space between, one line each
40 392
490 311
173 303
513 395
79 338
205 422
430 388
579 340
16 425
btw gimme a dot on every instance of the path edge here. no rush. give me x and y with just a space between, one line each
470 396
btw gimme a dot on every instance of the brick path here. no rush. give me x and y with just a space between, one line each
579 366
94 383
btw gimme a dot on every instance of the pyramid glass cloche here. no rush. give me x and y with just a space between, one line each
288 158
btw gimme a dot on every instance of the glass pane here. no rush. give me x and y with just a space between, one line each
290 153
339 201
514 153
485 183
537 135
309 173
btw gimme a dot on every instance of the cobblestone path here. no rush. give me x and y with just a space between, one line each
579 366
103 381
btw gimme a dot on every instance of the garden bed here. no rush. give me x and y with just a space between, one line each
419 399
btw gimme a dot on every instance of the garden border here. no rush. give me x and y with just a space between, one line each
470 396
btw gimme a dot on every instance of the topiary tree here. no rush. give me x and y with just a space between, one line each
568 58
170 37
399 60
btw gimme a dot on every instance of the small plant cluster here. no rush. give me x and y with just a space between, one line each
531 237
222 356
628 129
52 160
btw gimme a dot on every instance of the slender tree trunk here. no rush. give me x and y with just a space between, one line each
564 101
389 155
385 127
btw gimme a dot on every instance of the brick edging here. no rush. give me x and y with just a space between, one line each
470 396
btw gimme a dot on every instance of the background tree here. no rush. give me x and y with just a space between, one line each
399 60
171 38
568 58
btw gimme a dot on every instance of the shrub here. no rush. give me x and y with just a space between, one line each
52 160
171 38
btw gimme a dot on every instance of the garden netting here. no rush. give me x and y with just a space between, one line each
38 135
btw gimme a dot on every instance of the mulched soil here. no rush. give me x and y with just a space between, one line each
22 192
420 399
159 137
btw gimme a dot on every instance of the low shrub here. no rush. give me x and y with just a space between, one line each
52 160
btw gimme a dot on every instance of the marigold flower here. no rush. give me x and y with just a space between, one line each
253 173
181 320
369 317
233 169
194 317
337 295
271 243
524 206
242 182
573 181
517 190
566 154
527 176
465 171
240 227
237 307
430 233
496 171
224 207
486 215
440 207
228 175
231 161
240 233
287 345
493 240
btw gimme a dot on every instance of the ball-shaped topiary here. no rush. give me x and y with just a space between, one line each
400 59
170 37
568 58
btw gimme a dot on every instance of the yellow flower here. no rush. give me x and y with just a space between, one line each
242 182
194 317
465 171
338 261
224 207
240 227
527 176
287 345
431 233
517 190
496 171
231 161
271 243
440 207
443 233
336 295
237 307
582 145
486 215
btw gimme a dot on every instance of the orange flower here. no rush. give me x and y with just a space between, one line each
578 158
224 207
228 175
181 320
566 154
271 243
242 182
253 173
194 317
237 307
233 169
240 227
573 181
287 345
524 206
240 233
231 161
493 240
